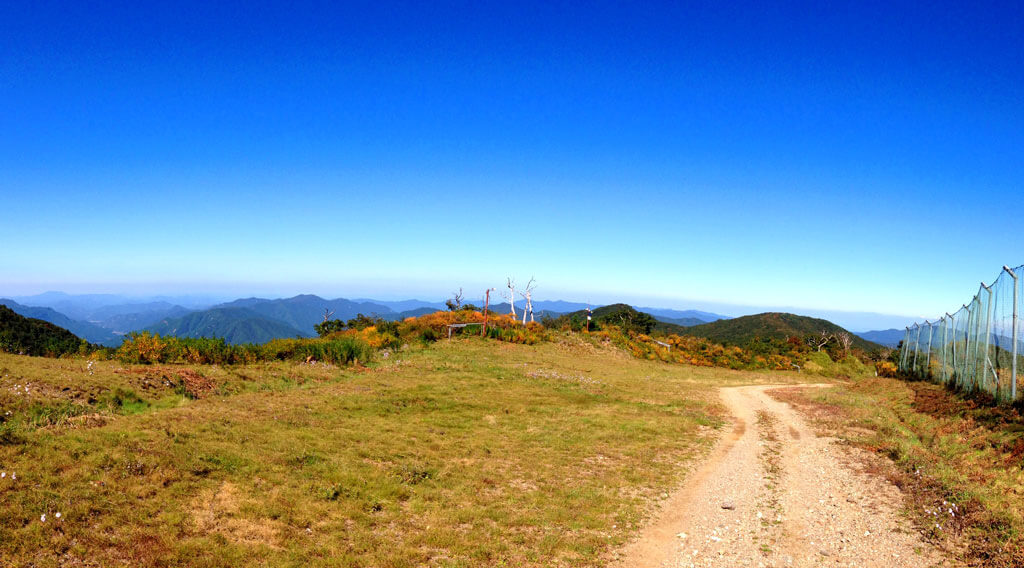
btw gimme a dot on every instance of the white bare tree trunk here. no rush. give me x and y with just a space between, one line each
512 295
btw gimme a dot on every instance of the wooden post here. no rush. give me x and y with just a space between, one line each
487 304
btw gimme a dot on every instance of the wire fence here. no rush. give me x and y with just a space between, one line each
977 348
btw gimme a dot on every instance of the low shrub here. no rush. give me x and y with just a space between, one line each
145 348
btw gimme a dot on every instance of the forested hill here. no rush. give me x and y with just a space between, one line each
30 336
775 325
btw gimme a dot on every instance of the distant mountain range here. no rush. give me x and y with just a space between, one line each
258 320
99 318
105 318
887 337
305 311
403 305
235 325
679 316
147 315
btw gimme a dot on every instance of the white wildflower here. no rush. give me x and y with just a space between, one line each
57 515
42 519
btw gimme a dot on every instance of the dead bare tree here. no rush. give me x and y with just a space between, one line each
846 341
820 340
455 302
528 296
511 294
327 314
487 305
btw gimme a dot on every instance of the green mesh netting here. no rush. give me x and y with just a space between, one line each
976 348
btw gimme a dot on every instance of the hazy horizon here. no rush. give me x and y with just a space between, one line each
859 321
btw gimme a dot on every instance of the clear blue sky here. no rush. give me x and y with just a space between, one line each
849 156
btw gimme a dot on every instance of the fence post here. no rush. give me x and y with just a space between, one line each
988 340
1013 365
975 359
967 347
952 322
916 347
905 350
928 359
945 329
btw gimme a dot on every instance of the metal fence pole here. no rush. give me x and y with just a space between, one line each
916 347
952 320
1013 365
967 347
988 337
976 358
945 334
928 359
905 350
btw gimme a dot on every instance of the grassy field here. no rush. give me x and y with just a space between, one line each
959 461
466 453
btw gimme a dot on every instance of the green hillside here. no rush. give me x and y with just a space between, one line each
775 325
19 334
235 325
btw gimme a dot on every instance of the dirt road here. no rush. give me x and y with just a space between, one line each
774 494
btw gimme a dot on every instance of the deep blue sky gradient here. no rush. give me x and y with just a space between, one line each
848 156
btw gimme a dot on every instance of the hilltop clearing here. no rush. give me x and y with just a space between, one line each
470 452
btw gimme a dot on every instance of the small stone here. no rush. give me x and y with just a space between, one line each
681 535
729 505
823 552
